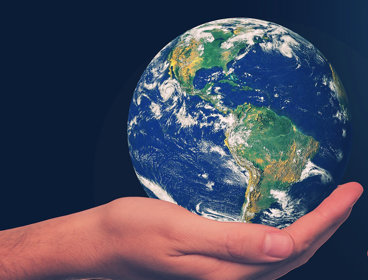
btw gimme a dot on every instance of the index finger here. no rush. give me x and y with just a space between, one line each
326 218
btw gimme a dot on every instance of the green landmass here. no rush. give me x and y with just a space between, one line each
267 145
273 151
187 58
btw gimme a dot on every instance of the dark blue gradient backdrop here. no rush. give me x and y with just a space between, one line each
68 72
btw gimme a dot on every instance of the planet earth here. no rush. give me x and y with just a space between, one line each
242 120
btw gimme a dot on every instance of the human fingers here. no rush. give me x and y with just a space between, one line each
251 243
317 226
151 236
312 230
236 242
300 257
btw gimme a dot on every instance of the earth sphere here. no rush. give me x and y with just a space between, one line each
240 120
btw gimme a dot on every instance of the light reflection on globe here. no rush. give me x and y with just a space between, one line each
240 120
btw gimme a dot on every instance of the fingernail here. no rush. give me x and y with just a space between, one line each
278 245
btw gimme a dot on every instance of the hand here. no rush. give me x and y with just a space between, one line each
143 238
152 239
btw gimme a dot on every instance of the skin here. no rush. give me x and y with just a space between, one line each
143 238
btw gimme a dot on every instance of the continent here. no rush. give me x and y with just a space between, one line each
271 149
213 49
268 146
243 84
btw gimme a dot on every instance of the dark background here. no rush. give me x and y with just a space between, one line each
68 72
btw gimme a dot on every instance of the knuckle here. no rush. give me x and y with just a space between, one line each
322 214
234 245
333 216
304 247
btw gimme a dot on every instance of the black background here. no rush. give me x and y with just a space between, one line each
68 72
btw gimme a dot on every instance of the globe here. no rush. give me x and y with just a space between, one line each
241 120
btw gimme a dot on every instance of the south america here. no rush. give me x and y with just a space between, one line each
272 150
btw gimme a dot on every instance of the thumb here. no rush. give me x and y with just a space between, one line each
237 242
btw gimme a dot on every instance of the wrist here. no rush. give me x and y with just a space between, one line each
68 246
